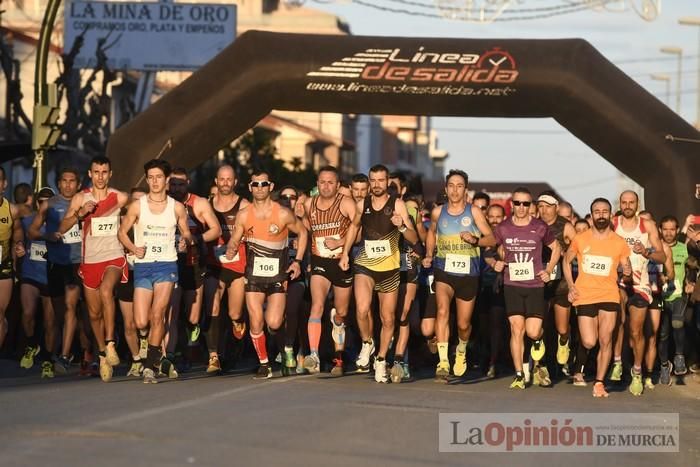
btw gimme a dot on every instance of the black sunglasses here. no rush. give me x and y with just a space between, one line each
263 184
289 196
522 203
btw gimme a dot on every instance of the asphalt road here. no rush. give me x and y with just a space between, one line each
303 420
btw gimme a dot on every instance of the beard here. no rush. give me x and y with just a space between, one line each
378 191
628 213
601 224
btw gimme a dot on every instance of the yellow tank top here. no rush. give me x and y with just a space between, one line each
6 222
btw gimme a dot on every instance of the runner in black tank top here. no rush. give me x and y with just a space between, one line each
224 275
383 220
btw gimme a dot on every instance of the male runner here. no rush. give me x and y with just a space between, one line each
522 239
359 187
644 243
383 219
63 254
556 291
11 247
329 214
33 280
204 228
155 218
599 252
459 229
265 224
224 275
675 304
103 262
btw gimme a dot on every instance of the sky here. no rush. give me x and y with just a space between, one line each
498 146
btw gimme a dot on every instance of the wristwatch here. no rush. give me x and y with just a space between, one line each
403 228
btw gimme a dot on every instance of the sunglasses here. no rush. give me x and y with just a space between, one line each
290 197
263 184
522 203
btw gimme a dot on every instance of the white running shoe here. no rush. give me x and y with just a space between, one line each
312 364
364 359
380 372
338 331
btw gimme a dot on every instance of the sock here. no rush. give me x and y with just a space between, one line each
143 333
380 359
618 359
442 351
581 358
153 356
637 370
260 345
213 335
563 340
519 374
288 349
665 364
398 358
314 330
462 346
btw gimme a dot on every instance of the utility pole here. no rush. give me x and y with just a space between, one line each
45 132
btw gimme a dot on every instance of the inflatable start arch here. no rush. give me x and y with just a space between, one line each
566 79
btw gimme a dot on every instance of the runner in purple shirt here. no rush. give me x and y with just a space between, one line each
521 239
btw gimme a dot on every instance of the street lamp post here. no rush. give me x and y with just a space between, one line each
676 51
694 21
667 79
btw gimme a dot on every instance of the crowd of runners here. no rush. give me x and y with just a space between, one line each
372 268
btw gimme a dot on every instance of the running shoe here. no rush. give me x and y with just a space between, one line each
239 329
61 365
168 368
300 364
541 376
364 359
637 386
579 381
537 350
214 365
679 364
695 368
442 372
47 370
289 360
406 371
193 332
460 365
27 360
599 390
518 382
563 352
135 370
149 376
491 373
665 373
105 369
264 371
648 383
432 345
111 352
337 369
396 372
312 363
143 347
616 371
338 331
566 371
380 371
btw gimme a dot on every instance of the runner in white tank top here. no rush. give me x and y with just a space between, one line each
642 237
154 218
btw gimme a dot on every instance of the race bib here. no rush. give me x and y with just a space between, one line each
457 264
37 252
104 226
556 273
156 251
73 235
377 248
266 267
597 265
324 251
521 271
